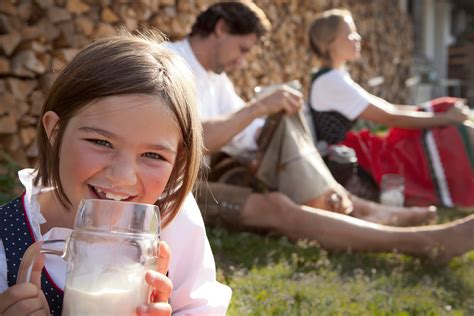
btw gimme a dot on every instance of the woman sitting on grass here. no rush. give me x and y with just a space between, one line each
430 145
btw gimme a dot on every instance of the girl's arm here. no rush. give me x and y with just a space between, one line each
382 112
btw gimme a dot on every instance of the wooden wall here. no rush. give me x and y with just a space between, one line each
37 38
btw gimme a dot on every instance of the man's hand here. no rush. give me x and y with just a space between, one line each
340 201
161 284
283 99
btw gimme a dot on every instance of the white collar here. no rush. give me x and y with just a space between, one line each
193 61
32 207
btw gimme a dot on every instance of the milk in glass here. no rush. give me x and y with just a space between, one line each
113 283
111 295
392 190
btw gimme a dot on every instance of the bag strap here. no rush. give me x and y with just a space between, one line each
315 75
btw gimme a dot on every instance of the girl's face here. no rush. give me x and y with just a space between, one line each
120 148
346 46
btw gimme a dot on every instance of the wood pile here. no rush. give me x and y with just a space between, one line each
460 66
38 37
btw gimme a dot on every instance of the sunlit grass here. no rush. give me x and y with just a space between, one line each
272 276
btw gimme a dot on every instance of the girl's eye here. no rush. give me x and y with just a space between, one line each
100 142
153 156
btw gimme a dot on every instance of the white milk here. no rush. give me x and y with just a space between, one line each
110 302
394 197
118 294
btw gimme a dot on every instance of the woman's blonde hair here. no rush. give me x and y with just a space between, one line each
323 32
121 65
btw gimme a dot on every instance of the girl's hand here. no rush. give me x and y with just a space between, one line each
161 284
26 298
23 299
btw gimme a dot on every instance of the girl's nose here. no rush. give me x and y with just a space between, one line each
122 171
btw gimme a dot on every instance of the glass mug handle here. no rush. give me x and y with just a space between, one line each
30 255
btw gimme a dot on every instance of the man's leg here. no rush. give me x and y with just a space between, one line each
275 212
392 215
293 165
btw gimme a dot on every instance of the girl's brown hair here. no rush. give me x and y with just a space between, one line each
120 65
323 32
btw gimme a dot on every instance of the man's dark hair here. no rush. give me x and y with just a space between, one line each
240 17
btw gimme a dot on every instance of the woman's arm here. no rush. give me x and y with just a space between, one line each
407 107
383 112
398 106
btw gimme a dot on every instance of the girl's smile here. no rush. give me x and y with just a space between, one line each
117 148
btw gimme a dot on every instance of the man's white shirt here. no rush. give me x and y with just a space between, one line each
217 97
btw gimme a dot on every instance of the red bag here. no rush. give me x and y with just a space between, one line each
438 163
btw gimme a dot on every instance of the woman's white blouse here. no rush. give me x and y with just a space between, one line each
336 91
192 267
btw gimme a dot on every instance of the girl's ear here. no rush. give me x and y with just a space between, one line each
50 121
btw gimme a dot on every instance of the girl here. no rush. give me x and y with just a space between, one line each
437 164
119 123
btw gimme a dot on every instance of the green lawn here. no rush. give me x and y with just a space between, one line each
272 276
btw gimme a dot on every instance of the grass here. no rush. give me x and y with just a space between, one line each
272 276
9 184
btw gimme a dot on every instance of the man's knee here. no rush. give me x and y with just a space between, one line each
221 203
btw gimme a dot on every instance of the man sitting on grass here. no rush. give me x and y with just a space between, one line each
305 207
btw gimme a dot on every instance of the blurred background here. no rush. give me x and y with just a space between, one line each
413 50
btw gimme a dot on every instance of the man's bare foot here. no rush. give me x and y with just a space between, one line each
445 241
392 215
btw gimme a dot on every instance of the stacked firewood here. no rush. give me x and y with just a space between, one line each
37 38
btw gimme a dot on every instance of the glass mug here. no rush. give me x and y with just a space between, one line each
392 190
111 247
